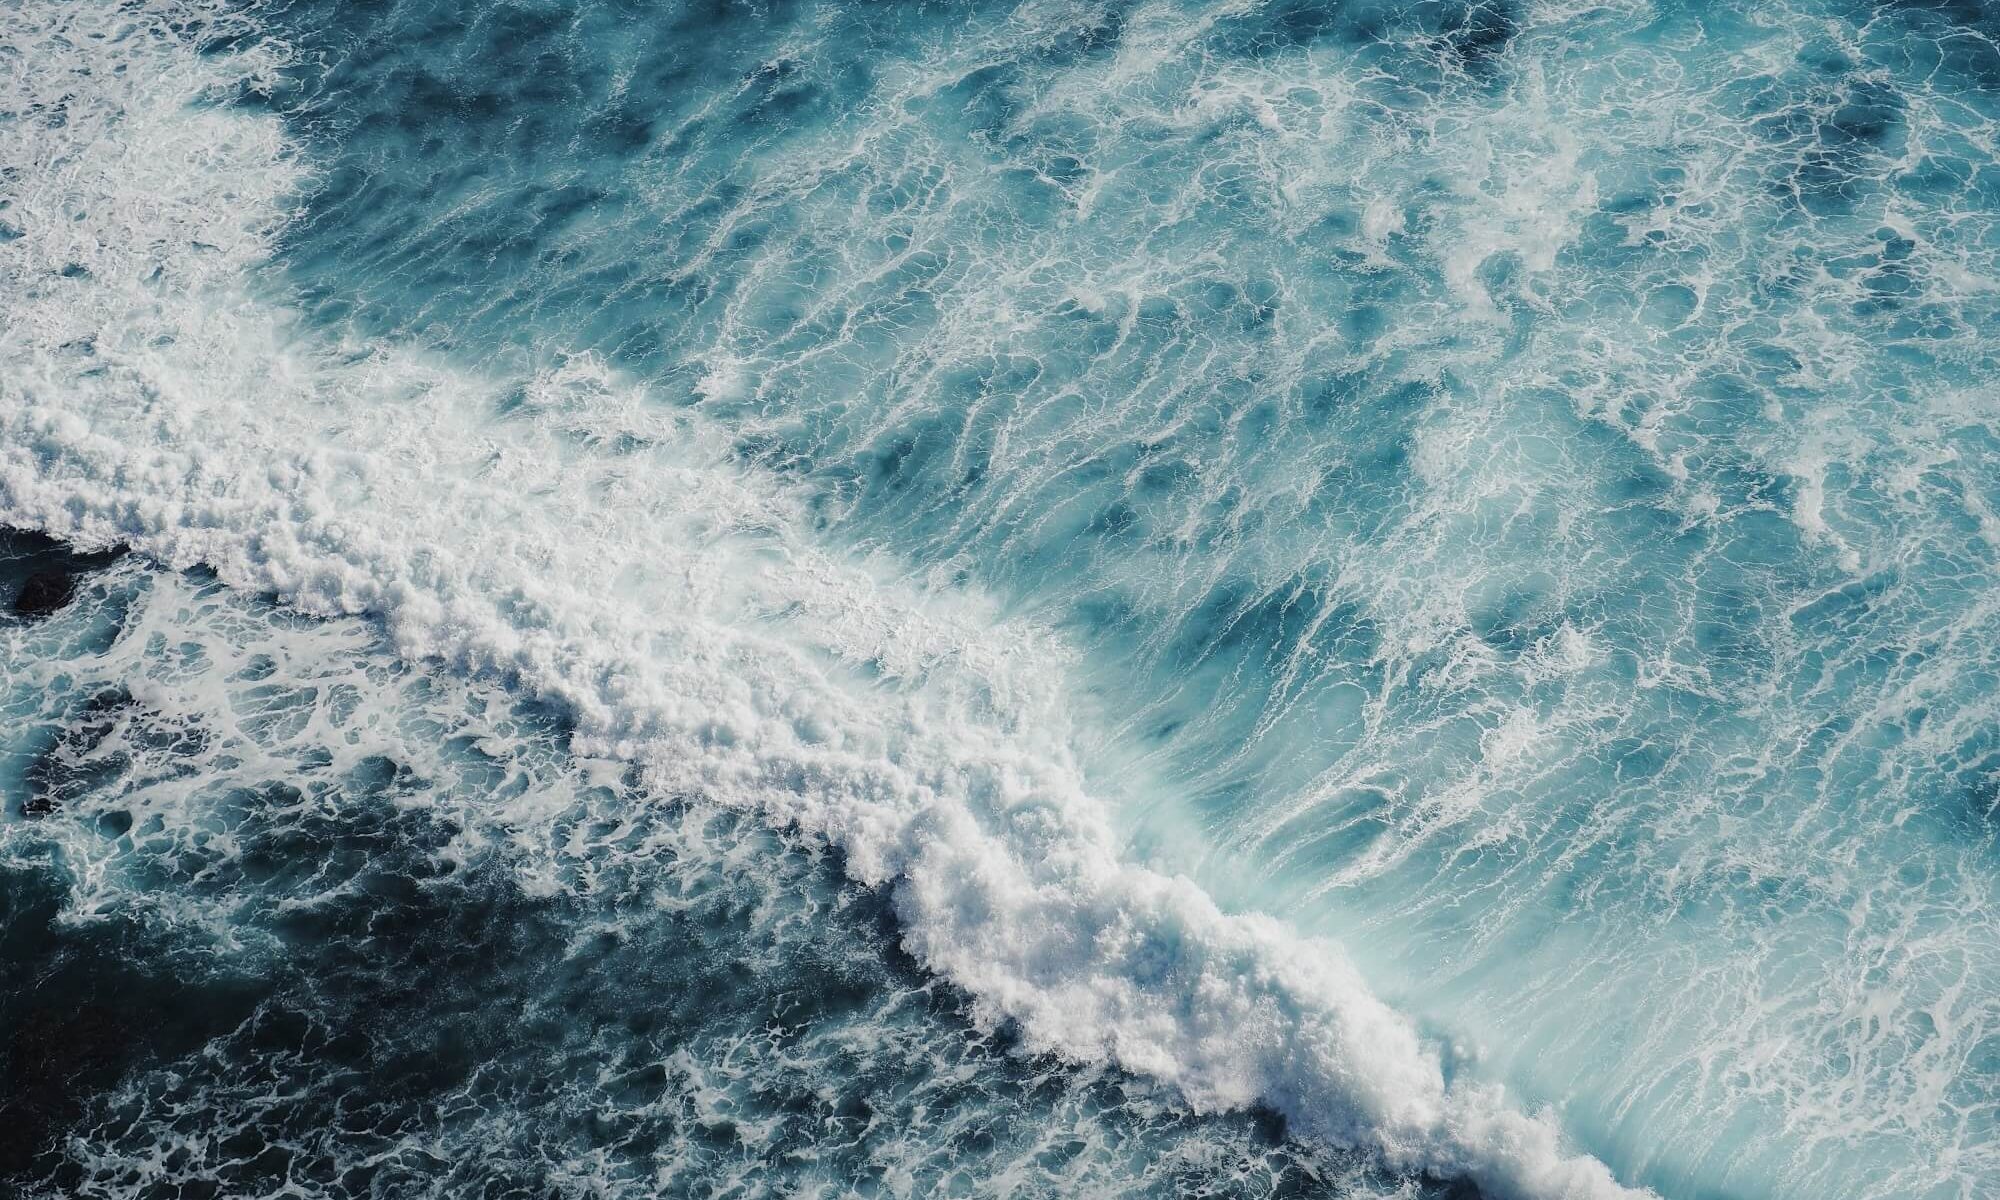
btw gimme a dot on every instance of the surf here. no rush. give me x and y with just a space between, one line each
1506 487
687 624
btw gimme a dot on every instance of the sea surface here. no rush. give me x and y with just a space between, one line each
1222 598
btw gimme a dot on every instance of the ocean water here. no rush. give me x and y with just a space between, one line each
1226 598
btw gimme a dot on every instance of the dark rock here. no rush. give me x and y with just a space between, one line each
44 594
42 573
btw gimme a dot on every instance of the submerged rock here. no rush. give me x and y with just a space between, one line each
44 593
42 573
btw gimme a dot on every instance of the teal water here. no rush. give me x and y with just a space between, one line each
1029 494
309 921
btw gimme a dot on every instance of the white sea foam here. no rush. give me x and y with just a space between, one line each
598 548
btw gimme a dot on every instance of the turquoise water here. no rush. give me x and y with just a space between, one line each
1325 596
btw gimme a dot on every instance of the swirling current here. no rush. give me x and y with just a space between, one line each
1347 598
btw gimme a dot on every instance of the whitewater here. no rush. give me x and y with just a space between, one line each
1417 580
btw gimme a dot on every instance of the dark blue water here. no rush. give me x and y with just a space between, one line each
285 914
1319 595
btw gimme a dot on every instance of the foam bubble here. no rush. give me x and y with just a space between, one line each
572 536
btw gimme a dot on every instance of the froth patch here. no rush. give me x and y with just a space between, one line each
575 537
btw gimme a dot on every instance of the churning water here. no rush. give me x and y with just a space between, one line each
1212 597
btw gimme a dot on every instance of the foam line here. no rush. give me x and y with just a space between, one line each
597 548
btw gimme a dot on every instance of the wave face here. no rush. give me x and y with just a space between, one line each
1042 598
318 923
